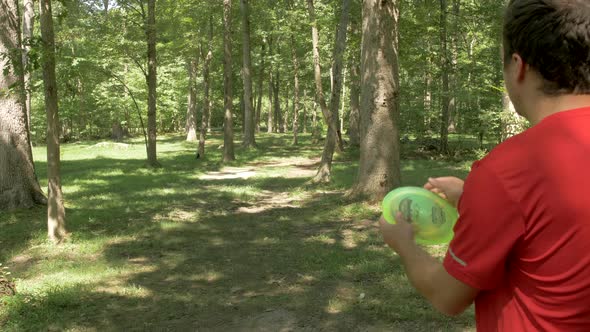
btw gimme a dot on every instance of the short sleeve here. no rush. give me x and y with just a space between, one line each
489 226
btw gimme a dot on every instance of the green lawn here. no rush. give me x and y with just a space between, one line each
196 246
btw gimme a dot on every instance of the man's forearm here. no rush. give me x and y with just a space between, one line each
430 278
420 268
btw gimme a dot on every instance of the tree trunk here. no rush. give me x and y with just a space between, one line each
445 115
277 102
337 66
332 137
209 116
284 116
228 132
424 120
453 79
243 111
150 31
28 27
260 81
105 7
305 111
295 90
510 120
379 170
19 187
343 105
317 68
354 120
315 128
270 118
249 137
191 110
206 99
55 207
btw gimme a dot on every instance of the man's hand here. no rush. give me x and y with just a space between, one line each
397 236
449 295
449 188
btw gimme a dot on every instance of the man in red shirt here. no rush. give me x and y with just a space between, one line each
521 249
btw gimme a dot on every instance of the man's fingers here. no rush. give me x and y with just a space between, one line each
433 182
400 218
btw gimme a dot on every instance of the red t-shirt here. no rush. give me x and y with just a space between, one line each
523 237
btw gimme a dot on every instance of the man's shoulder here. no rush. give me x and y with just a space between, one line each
513 152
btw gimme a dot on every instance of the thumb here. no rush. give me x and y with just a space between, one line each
434 183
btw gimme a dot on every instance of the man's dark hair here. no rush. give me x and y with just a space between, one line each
553 37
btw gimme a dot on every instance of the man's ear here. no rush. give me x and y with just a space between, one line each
520 67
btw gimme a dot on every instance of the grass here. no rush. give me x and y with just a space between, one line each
195 246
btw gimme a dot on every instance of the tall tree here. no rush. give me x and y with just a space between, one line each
19 187
354 117
150 30
319 93
337 64
454 59
304 111
332 137
270 116
276 101
55 207
207 87
249 137
191 109
228 131
28 26
295 90
260 92
379 170
446 98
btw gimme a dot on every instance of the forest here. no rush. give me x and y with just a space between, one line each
218 164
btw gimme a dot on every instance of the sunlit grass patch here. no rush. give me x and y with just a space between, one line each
183 248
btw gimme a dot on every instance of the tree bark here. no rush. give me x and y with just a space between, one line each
295 90
191 110
320 99
305 111
277 103
55 207
151 78
453 79
354 117
510 120
28 27
206 86
19 187
315 128
343 105
249 137
445 115
228 132
242 111
260 81
337 66
284 116
270 118
379 170
332 137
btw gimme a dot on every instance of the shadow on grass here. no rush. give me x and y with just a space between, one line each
230 272
196 261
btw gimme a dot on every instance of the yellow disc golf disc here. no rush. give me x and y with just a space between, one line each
433 216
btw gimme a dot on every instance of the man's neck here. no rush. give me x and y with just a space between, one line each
547 106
